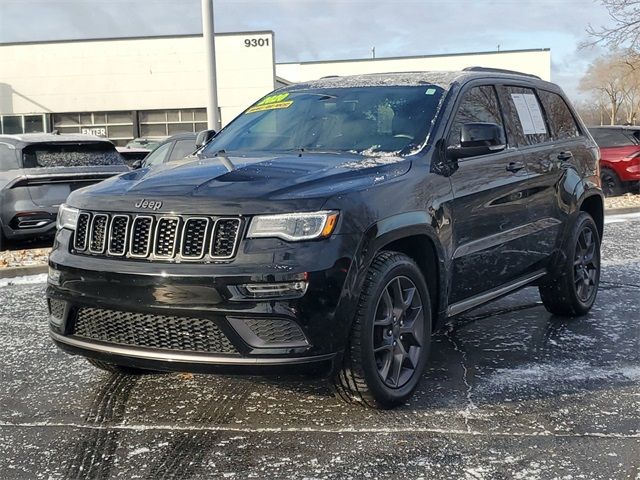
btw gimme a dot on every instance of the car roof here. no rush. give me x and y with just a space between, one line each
24 139
181 136
442 79
615 127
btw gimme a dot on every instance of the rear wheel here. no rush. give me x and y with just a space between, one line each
113 368
389 342
572 287
611 184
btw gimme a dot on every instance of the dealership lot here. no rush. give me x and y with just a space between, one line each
511 393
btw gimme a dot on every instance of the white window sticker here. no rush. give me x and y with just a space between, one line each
529 113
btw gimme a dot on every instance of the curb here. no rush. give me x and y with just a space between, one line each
620 211
12 272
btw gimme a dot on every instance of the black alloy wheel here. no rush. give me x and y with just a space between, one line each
586 264
388 346
571 286
398 332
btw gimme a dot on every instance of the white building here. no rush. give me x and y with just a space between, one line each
123 88
536 62
129 87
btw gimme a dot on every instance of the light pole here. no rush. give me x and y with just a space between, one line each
208 35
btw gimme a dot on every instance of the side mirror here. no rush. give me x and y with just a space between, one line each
136 165
478 139
203 137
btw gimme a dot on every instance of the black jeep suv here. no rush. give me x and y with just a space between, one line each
335 221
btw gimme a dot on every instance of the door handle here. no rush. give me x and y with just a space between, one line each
564 156
515 167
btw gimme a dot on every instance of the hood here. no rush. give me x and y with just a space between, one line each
260 183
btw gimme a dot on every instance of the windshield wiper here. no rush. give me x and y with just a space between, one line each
222 155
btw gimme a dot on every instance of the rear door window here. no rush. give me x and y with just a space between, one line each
562 122
182 148
612 137
524 116
70 155
158 156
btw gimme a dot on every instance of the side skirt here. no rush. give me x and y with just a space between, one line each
485 297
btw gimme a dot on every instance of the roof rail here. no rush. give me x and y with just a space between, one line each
499 70
330 76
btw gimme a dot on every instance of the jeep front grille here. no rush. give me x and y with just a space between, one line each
82 229
157 238
149 330
164 244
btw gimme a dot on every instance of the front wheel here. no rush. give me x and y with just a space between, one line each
571 289
390 337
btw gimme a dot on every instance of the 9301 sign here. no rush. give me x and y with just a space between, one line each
256 42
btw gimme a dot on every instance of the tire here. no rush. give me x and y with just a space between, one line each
571 289
611 184
389 342
3 240
113 368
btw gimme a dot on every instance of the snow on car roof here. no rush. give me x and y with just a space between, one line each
400 79
51 137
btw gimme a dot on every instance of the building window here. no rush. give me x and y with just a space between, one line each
116 126
160 123
15 124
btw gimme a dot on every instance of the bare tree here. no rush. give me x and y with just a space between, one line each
631 100
607 77
625 31
592 112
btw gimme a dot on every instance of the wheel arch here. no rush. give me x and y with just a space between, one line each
415 235
594 206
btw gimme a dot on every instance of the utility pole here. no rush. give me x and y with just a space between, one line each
208 35
373 52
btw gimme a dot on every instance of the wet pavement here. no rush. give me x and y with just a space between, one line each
511 393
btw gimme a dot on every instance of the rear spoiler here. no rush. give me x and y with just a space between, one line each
48 179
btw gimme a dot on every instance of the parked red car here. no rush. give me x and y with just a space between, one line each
620 162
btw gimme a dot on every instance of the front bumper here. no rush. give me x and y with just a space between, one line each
174 361
206 293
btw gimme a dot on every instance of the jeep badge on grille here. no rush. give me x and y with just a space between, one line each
149 204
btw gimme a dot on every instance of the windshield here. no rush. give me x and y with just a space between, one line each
70 155
363 119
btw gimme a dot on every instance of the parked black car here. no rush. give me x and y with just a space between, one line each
37 173
176 147
338 221
132 156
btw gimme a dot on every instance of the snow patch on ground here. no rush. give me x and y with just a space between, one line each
29 279
138 451
551 374
623 217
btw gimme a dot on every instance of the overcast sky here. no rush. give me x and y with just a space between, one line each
332 29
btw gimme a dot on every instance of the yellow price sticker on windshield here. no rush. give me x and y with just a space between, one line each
272 102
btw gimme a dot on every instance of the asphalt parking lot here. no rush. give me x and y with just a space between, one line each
511 393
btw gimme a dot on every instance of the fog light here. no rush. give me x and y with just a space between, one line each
54 276
274 290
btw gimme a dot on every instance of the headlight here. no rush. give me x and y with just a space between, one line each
67 217
294 226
